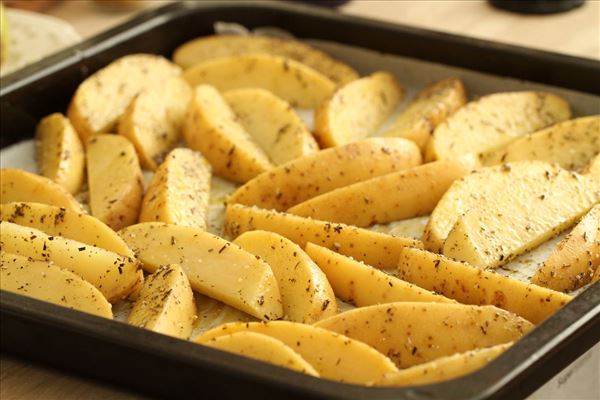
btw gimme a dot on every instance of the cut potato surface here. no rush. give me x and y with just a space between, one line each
59 152
179 191
103 97
593 168
334 356
412 333
374 248
301 179
46 281
272 123
357 109
154 120
214 266
471 285
296 83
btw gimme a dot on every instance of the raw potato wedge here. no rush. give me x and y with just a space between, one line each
59 152
408 193
550 200
374 248
154 120
429 108
471 285
306 295
299 85
179 190
212 128
572 144
46 281
103 97
264 348
333 356
362 285
596 276
412 333
19 185
214 266
593 168
575 259
495 120
114 179
272 123
357 109
165 303
444 368
210 47
114 275
301 179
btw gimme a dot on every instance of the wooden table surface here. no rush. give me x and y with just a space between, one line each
576 33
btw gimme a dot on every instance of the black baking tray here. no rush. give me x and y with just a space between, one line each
160 366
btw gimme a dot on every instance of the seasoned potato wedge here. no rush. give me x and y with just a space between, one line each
593 168
299 85
574 260
471 285
306 295
362 285
19 185
102 98
429 108
272 123
116 276
408 193
357 109
495 120
212 128
114 179
412 333
179 190
596 276
154 120
45 281
264 348
301 179
214 266
210 47
374 248
59 152
333 356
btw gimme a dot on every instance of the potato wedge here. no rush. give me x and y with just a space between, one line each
575 259
596 276
374 248
102 98
357 109
46 281
114 275
212 128
165 303
264 348
296 83
114 179
494 121
412 333
19 185
179 191
306 295
409 193
272 123
593 168
210 47
154 120
333 356
362 285
471 285
429 108
214 266
59 152
301 179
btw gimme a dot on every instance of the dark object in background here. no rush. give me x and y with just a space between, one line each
324 3
537 6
